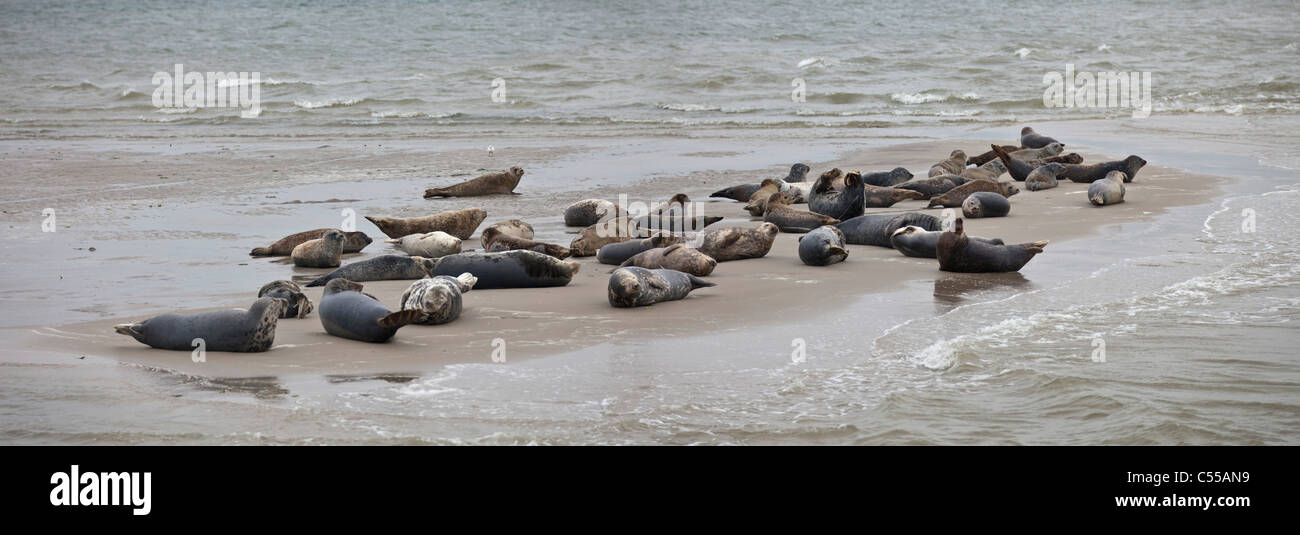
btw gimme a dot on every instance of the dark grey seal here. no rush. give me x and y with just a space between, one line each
380 268
957 252
638 287
985 204
830 198
1030 139
347 313
616 253
240 331
917 242
876 229
509 269
887 178
823 246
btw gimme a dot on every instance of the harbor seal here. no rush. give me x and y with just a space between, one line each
835 200
738 243
638 287
353 242
757 207
917 242
794 220
740 193
380 268
876 229
510 227
798 173
495 183
955 196
1089 173
509 269
592 238
1030 139
960 254
650 225
1047 151
297 305
588 212
988 171
323 252
1044 177
458 223
1019 169
799 191
429 245
345 312
955 163
616 253
496 240
897 175
883 197
1109 190
985 204
1072 157
239 331
437 298
936 185
676 257
765 190
990 155
823 246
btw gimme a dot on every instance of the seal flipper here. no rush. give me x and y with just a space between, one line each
697 282
132 330
837 250
260 251
402 318
1035 247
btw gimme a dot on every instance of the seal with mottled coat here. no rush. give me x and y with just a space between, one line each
935 185
1033 140
511 227
490 184
458 223
1047 151
794 220
345 312
1109 190
876 229
509 269
323 252
989 171
952 166
989 156
677 257
438 298
917 242
638 287
897 175
353 242
588 212
496 241
957 252
839 199
955 196
592 238
985 204
882 197
1089 173
1044 177
428 245
297 305
823 246
239 331
380 268
615 253
737 243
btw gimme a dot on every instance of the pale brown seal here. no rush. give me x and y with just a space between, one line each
353 242
955 196
495 183
510 227
737 243
677 257
458 223
323 252
952 166
495 240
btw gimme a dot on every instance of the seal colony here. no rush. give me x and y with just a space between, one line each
661 254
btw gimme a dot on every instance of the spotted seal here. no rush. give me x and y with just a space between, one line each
239 331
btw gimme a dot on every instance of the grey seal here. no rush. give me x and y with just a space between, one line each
239 331
1044 177
1089 173
738 243
588 212
347 313
794 220
895 176
1030 139
838 199
677 257
955 196
615 253
957 252
935 185
380 268
917 242
954 165
985 204
509 269
297 305
638 287
1109 190
823 246
438 298
876 229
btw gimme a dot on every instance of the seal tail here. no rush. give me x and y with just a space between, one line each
697 282
1036 247
130 329
260 251
436 192
319 281
402 318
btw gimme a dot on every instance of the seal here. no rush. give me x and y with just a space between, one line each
458 223
615 253
1072 157
839 203
1044 177
800 191
1033 140
990 155
677 257
495 183
675 205
960 254
353 242
429 245
937 185
588 212
437 298
1109 190
757 207
345 312
882 197
917 242
646 226
985 204
592 238
954 165
239 331
794 220
323 252
509 269
798 173
1088 173
297 305
510 227
496 240
765 190
1019 169
1047 151
823 246
737 243
989 171
897 175
638 287
876 229
380 268
740 193
954 197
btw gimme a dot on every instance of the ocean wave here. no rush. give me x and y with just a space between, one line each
393 114
917 98
689 107
327 103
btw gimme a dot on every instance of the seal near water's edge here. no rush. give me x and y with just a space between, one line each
1109 190
954 165
323 252
354 242
495 183
917 242
239 331
956 252
380 268
1030 139
1089 173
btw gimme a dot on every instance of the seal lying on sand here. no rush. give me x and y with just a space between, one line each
353 242
429 245
738 243
840 201
347 313
936 185
437 298
509 269
677 257
876 229
495 183
458 223
297 305
988 171
380 268
615 253
897 175
1072 157
990 155
1047 151
496 241
323 252
954 197
740 193
794 220
917 242
1089 173
1030 139
592 238
240 331
985 204
957 252
952 166
638 287
510 227
1044 177
823 246
588 212
758 206
881 197
1109 190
